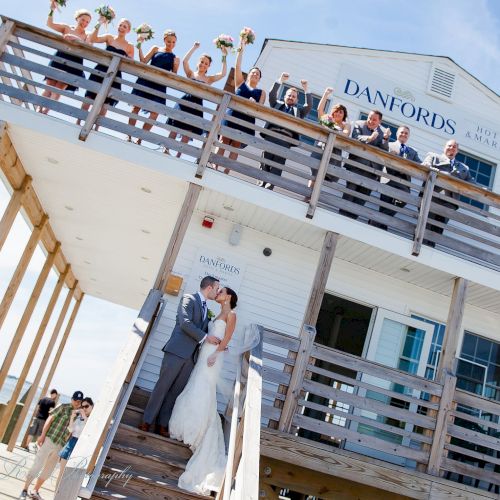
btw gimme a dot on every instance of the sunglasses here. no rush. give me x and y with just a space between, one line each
85 406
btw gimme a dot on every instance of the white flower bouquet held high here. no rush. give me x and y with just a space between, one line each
106 12
248 35
224 41
144 33
58 4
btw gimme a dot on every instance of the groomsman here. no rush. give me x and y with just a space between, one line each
370 132
288 105
399 147
445 162
179 354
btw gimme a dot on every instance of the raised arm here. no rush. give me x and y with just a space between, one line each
96 38
222 73
238 75
187 57
185 313
304 110
324 99
59 27
146 58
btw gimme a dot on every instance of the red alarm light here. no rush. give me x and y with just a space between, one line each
208 222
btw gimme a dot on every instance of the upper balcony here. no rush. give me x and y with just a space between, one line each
320 182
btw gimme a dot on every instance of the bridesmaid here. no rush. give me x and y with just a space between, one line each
116 44
160 57
199 75
247 89
82 18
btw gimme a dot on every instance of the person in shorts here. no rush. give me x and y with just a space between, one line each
41 414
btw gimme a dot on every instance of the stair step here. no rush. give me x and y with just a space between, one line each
132 415
150 443
159 465
139 487
139 397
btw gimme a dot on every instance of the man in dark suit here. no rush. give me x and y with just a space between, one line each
447 163
178 360
288 105
400 148
369 132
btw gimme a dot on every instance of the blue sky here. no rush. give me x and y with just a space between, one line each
468 31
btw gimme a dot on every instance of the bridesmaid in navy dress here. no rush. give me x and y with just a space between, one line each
116 44
82 18
160 57
200 75
247 89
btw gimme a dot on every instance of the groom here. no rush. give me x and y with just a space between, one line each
190 330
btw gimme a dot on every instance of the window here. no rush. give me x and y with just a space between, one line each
313 114
481 171
385 124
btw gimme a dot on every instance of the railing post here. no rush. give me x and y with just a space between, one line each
299 370
320 177
6 31
213 134
441 430
423 213
100 98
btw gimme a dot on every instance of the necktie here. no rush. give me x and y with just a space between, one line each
452 163
402 150
204 307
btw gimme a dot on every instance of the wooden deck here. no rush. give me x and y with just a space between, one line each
13 468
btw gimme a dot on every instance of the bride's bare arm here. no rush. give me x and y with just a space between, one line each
230 326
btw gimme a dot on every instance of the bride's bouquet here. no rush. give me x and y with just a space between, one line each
328 122
248 35
224 41
107 12
59 4
144 33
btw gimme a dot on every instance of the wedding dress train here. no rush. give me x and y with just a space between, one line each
195 421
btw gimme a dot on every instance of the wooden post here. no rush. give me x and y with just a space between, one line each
6 31
296 380
320 278
213 134
62 345
423 213
100 98
16 279
320 176
26 317
15 203
9 410
178 234
38 377
447 361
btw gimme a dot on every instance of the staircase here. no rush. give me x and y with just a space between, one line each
142 465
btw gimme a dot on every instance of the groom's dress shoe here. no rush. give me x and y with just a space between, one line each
163 431
144 427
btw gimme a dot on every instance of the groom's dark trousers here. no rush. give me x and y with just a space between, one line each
177 365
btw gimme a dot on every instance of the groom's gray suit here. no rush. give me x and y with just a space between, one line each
177 365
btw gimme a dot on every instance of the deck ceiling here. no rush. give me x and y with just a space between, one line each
113 218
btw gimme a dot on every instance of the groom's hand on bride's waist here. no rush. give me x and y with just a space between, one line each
211 339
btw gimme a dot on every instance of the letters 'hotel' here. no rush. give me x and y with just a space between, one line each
378 374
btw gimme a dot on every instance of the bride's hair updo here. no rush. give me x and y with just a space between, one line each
234 297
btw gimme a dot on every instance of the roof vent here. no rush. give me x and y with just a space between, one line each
441 83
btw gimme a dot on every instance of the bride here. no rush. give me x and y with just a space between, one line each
195 420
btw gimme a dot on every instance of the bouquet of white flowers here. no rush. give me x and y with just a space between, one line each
247 34
224 41
107 12
328 122
144 33
59 3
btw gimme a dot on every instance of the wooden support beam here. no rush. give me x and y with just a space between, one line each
320 176
307 336
6 31
423 213
320 278
213 134
26 317
9 410
18 275
100 98
62 344
15 203
178 234
447 361
38 377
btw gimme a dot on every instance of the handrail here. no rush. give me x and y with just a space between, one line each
471 232
114 395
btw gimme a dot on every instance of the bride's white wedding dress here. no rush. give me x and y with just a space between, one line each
195 421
